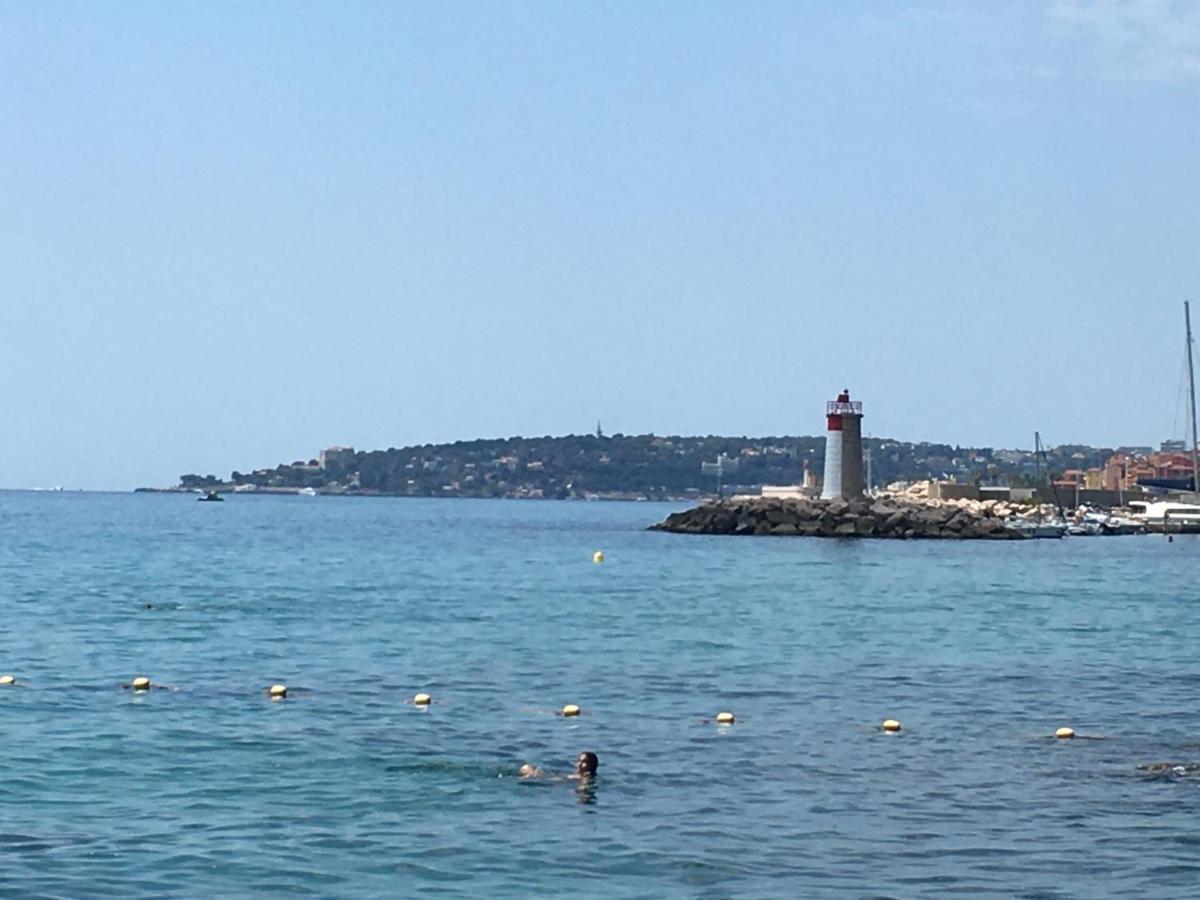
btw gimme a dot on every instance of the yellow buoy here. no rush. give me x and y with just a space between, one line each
725 718
422 700
571 710
890 725
598 556
277 691
7 679
1065 733
141 683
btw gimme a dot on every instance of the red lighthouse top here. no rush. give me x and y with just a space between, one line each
842 406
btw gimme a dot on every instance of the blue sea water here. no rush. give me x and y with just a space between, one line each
497 610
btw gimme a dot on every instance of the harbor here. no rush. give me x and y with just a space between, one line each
841 502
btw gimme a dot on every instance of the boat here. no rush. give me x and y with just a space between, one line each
1118 524
1097 521
307 492
1183 486
1030 529
1167 516
1039 528
210 497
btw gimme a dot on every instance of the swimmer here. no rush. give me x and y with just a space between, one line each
586 766
585 769
1169 768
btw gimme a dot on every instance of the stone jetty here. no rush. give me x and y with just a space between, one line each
881 517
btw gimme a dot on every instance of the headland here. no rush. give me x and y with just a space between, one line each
668 467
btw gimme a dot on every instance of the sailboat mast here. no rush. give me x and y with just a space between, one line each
1187 318
1037 479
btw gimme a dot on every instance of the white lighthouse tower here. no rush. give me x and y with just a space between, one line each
843 448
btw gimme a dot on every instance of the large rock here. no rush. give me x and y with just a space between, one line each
781 516
859 506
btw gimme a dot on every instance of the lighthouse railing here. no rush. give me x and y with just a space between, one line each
843 408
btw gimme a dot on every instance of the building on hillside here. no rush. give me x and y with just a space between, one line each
1092 479
336 456
1123 471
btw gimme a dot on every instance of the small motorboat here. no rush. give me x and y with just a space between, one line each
1100 522
210 497
1032 529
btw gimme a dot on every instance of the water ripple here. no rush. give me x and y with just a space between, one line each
497 610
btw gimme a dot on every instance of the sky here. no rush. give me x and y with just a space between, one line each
233 233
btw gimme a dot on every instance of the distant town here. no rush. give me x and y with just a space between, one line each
655 467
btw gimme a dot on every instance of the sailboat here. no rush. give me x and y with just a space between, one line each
1055 528
1181 514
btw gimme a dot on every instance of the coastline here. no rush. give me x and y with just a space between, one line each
606 497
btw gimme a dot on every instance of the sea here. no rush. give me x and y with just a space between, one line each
208 788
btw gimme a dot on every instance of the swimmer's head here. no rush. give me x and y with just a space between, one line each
586 765
527 771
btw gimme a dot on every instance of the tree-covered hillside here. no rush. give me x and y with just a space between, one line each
649 466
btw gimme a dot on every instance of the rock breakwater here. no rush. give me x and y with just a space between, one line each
859 518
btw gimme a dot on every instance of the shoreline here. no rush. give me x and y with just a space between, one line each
292 491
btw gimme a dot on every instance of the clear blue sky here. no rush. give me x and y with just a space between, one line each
233 233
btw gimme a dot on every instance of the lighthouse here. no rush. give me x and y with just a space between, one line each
843 448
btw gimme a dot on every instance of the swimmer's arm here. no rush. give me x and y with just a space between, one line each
529 772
